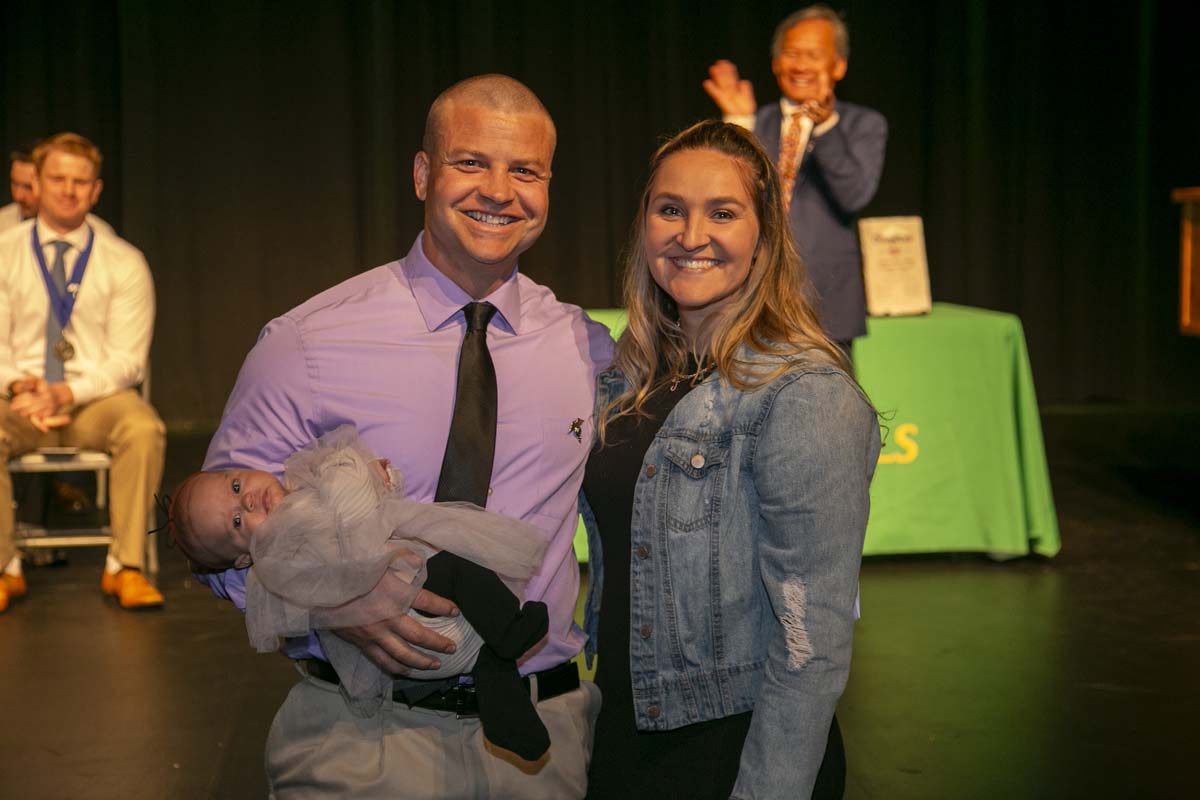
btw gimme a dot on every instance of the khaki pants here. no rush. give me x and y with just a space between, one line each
124 426
318 749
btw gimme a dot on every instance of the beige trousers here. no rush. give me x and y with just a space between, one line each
124 426
318 749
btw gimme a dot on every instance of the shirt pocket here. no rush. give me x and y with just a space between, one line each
695 482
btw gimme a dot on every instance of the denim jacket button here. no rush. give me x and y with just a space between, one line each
646 630
653 712
650 470
642 551
698 461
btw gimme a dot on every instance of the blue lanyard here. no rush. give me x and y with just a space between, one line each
63 304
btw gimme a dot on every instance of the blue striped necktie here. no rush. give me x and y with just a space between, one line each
55 372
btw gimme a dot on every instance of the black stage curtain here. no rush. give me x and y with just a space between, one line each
261 151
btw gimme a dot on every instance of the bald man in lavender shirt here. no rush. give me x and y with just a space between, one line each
380 351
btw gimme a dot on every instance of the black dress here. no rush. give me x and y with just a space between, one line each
696 761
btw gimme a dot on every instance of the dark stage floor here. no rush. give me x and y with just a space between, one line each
1077 677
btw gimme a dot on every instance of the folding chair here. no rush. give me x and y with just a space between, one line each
78 459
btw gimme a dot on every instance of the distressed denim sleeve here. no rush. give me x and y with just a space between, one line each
812 466
608 386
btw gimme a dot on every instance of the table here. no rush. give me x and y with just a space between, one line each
963 468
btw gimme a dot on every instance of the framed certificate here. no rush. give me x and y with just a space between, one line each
895 270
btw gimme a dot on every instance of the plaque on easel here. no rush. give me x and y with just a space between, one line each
895 270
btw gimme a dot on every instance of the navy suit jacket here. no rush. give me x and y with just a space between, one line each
838 177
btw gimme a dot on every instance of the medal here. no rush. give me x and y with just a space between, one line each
64 350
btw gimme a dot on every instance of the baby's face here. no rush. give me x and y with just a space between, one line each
225 508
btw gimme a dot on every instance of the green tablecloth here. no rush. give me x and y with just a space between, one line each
963 467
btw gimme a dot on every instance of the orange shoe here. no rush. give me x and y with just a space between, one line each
10 586
131 589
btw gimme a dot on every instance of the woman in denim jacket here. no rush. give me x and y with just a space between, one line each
726 497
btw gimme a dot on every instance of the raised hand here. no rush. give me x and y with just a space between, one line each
731 94
819 110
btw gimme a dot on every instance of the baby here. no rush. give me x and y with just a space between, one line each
338 545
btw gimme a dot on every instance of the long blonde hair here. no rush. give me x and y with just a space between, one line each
770 314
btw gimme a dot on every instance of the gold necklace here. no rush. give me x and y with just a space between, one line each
696 377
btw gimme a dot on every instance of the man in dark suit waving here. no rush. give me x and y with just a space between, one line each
829 153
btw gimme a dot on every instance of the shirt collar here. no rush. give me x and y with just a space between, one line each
439 298
77 238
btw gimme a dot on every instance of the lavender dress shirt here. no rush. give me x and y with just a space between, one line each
380 351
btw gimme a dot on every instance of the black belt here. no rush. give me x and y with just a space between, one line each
460 697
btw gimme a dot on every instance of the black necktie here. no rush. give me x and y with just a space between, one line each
471 446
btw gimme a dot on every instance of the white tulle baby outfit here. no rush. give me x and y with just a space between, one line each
345 547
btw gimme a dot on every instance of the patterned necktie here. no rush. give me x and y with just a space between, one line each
789 157
55 372
471 446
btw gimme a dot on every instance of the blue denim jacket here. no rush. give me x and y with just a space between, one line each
747 532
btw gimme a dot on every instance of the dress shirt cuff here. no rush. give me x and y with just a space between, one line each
744 120
826 126
83 390
228 585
